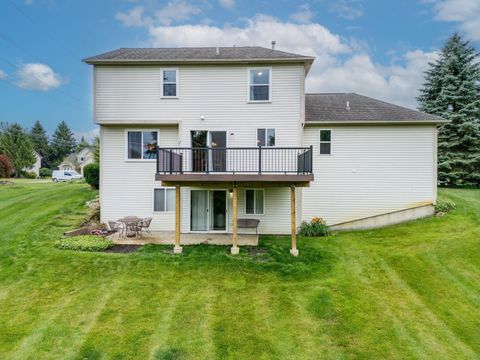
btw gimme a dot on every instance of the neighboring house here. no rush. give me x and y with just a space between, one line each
77 161
38 164
239 138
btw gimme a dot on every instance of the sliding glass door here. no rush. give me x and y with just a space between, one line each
213 160
208 210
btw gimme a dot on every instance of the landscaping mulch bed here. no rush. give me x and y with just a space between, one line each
123 249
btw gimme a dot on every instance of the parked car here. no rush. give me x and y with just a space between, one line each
65 175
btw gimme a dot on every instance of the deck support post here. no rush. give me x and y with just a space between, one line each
293 250
235 250
177 248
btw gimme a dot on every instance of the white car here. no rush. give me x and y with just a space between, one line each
65 175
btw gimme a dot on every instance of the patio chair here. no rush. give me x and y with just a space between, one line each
145 225
117 227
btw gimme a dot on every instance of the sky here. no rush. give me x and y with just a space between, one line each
378 48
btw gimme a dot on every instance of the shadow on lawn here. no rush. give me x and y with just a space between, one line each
267 256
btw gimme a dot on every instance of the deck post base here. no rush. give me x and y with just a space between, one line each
177 250
294 252
235 250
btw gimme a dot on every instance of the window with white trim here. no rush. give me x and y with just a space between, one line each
142 144
255 201
266 137
170 83
163 199
325 142
259 84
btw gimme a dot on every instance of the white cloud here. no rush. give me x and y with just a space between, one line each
173 11
176 10
3 75
132 18
465 12
37 77
227 4
303 15
347 9
395 83
342 65
87 135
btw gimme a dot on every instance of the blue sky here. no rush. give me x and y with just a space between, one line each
377 48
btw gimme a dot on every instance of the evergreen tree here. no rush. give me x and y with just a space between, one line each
39 138
63 144
452 91
96 149
82 144
16 144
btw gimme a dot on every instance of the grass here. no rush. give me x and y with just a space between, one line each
407 291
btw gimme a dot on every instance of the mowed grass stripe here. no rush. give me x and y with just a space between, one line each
408 291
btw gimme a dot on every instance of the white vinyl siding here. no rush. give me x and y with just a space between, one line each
126 187
373 170
131 95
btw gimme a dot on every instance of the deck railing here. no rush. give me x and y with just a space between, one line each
233 160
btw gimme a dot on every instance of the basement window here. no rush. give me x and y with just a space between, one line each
325 142
254 201
163 200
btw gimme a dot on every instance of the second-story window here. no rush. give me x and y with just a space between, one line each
259 84
170 83
142 144
325 142
265 137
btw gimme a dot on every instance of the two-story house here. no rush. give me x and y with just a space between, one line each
198 138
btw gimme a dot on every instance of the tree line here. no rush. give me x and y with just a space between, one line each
18 144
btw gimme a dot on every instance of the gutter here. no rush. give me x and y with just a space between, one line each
374 122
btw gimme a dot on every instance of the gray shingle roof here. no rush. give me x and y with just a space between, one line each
332 107
199 54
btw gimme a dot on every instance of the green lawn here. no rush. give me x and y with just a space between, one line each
408 291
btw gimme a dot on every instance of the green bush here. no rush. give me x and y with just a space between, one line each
45 172
84 243
91 172
29 175
316 227
445 205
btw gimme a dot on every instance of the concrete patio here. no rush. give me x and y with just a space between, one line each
168 238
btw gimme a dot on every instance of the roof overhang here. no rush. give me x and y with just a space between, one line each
306 60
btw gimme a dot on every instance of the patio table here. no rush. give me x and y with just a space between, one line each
132 225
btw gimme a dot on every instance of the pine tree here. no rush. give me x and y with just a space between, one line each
82 144
452 91
63 144
96 149
39 138
16 144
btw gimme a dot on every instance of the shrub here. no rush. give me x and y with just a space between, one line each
444 206
91 172
45 172
6 167
84 243
316 227
29 175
